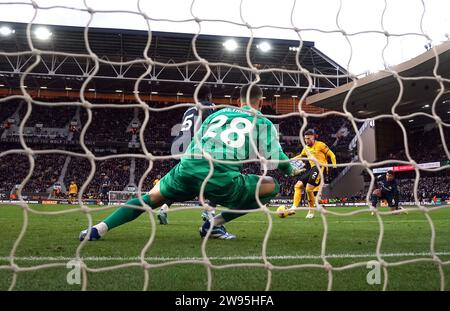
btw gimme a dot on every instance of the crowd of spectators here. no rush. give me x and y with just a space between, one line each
423 147
108 124
428 188
48 116
15 167
117 170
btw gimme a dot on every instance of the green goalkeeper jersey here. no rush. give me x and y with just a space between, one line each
225 135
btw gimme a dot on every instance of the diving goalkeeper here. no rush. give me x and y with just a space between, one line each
224 135
310 180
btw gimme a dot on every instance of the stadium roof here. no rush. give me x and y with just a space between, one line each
375 94
171 49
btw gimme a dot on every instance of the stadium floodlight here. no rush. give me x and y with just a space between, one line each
179 94
276 95
294 96
264 46
6 31
426 106
230 45
43 87
91 90
154 93
2 85
119 91
43 33
294 48
412 120
68 89
227 96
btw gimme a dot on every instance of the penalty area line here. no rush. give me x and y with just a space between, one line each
229 258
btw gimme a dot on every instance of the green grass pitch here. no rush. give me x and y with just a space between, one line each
293 241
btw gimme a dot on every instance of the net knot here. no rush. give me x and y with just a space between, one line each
304 71
365 163
436 259
438 119
395 116
86 104
263 161
36 52
15 268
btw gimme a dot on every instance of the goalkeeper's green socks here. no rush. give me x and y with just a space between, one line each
123 215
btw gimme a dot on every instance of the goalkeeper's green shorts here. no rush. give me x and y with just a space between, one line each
226 187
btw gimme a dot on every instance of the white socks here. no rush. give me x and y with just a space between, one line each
102 228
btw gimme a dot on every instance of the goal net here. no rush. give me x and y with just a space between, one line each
95 101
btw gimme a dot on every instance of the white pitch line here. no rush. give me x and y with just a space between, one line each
389 221
287 257
334 221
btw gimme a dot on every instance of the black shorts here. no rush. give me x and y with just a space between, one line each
311 176
390 198
72 195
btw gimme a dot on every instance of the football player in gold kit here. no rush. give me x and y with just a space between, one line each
310 180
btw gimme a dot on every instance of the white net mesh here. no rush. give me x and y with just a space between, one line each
254 72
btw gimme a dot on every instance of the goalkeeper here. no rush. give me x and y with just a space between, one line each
224 135
311 179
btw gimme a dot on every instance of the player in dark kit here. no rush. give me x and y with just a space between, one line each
184 137
104 189
187 131
386 190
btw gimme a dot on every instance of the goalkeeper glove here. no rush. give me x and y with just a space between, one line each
298 167
297 170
